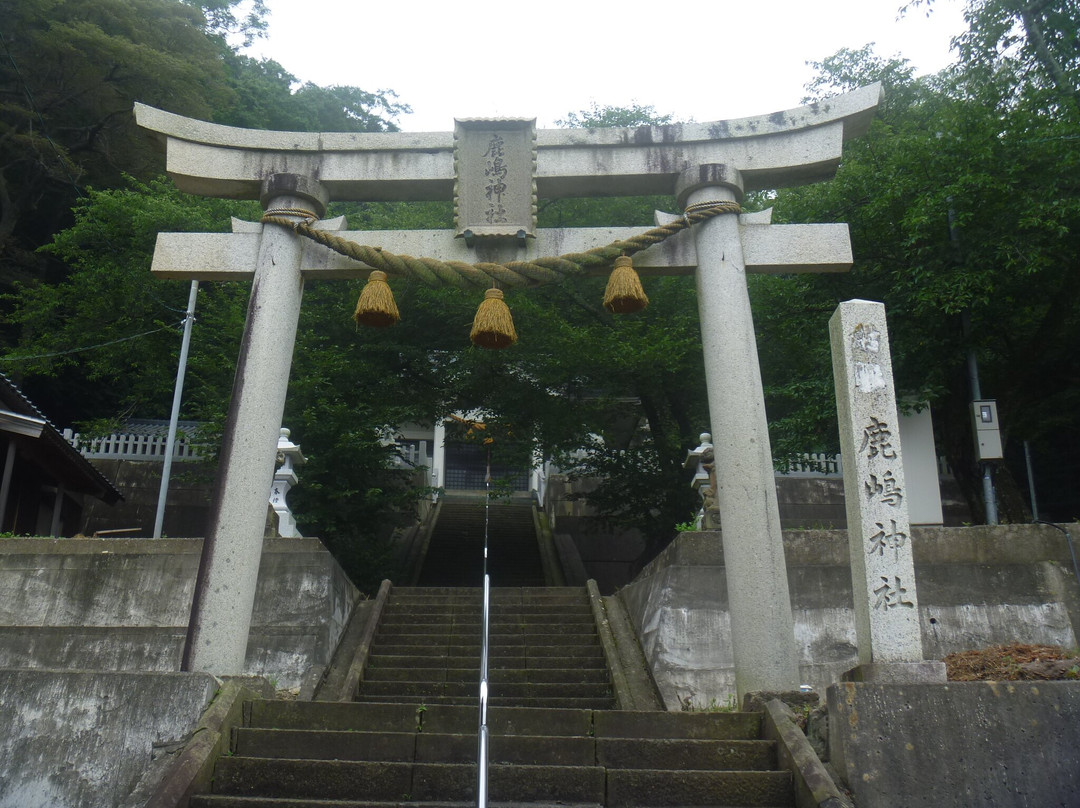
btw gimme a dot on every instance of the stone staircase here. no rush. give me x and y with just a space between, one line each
311 754
410 737
455 550
544 649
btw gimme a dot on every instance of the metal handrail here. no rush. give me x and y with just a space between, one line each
482 732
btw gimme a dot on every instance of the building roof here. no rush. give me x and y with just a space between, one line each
41 441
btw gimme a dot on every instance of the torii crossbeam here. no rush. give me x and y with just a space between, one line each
700 163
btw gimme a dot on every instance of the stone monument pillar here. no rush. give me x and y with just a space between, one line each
225 587
762 628
879 534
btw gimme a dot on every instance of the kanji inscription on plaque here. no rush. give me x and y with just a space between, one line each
495 185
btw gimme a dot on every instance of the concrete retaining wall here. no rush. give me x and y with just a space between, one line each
123 605
977 586
960 745
90 740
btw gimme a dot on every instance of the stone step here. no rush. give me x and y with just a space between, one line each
233 801
387 717
377 673
606 703
529 628
693 726
400 783
403 594
383 717
659 788
523 659
504 597
494 640
432 747
404 782
422 747
683 754
589 651
413 690
435 615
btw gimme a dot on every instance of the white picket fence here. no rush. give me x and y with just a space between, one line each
123 446
819 464
815 464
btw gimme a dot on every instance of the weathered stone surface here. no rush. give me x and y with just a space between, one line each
73 738
1007 744
123 604
980 586
893 673
645 788
495 165
795 146
812 784
762 636
769 249
875 489
225 589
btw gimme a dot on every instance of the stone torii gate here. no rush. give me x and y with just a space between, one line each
701 163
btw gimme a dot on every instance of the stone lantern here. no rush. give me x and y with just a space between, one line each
288 456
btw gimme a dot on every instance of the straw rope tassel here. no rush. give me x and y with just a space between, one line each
493 327
624 294
376 306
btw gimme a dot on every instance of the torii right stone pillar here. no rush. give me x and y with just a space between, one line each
762 628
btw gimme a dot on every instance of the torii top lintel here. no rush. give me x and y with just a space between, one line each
787 148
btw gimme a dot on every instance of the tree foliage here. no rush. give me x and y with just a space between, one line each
989 145
71 71
964 210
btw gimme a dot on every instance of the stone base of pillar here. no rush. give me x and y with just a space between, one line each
898 673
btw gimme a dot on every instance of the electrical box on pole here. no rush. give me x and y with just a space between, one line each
986 429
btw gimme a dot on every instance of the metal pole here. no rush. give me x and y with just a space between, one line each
989 496
178 390
482 735
1031 481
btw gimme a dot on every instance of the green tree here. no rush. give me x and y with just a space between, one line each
109 299
983 148
68 75
71 71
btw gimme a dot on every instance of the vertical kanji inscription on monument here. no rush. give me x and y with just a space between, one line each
879 533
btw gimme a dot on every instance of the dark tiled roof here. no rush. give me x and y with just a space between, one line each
76 471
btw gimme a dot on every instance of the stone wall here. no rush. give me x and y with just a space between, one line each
123 605
610 553
84 740
977 586
957 745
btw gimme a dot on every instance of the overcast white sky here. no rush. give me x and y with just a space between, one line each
703 60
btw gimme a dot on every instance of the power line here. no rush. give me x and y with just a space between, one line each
89 347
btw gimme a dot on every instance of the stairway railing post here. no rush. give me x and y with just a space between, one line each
482 739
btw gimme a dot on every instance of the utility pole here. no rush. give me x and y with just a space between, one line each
178 390
989 495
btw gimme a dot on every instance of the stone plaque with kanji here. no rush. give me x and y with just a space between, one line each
495 169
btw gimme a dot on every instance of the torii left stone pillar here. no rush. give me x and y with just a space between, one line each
232 549
786 148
